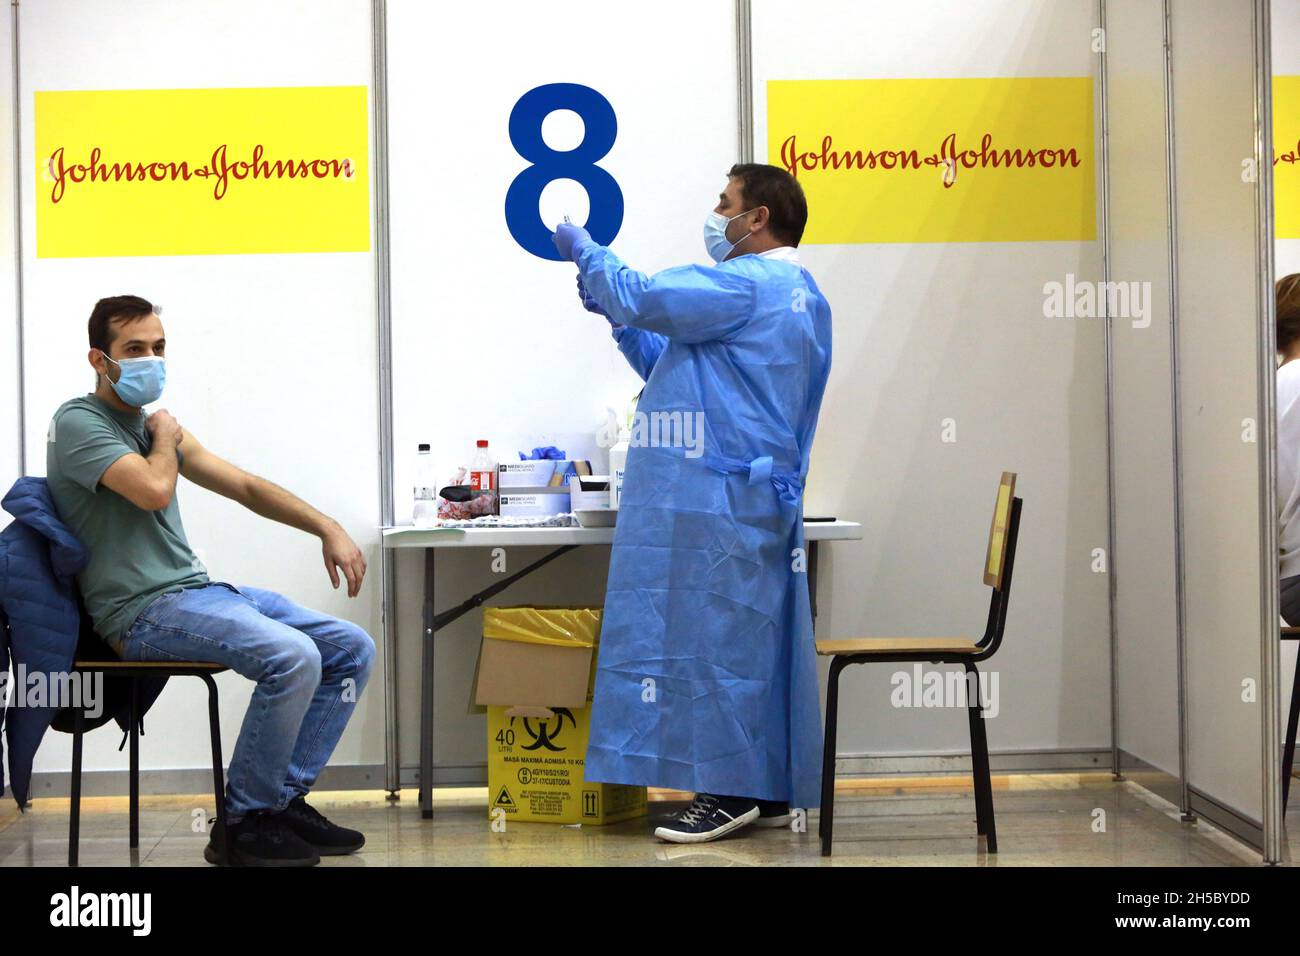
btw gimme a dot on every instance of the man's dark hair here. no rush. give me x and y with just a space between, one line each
1288 311
773 187
118 308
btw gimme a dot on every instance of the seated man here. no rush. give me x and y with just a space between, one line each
112 473
1288 444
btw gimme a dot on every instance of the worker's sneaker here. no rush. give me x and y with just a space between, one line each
773 813
707 818
261 839
328 839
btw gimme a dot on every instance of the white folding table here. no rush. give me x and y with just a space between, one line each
431 540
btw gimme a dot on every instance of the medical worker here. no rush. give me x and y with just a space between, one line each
707 675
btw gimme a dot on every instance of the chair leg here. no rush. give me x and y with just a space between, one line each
980 763
1288 753
973 718
826 817
218 779
134 734
74 810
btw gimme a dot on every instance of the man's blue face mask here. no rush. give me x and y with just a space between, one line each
142 379
715 235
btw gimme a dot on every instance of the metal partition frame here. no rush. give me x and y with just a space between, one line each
1270 643
384 325
1175 405
1103 129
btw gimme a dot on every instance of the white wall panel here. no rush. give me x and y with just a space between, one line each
9 426
1218 360
489 341
272 358
930 331
1143 417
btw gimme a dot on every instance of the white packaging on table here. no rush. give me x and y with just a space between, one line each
533 504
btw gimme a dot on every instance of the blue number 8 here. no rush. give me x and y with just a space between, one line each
579 164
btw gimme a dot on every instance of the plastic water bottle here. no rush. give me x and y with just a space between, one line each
617 465
424 513
483 468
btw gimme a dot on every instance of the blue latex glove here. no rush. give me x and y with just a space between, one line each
549 453
588 303
570 240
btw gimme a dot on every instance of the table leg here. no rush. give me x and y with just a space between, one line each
392 729
812 579
426 693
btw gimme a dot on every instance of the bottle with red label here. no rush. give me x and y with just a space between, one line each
483 468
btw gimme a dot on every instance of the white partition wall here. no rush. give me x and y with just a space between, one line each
489 340
272 358
1193 410
10 440
1147 686
1218 340
955 331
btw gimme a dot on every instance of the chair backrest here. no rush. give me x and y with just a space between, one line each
995 559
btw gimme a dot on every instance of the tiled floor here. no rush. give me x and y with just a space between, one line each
1042 820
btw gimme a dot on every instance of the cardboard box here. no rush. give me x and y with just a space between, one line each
536 673
532 473
588 492
533 504
539 474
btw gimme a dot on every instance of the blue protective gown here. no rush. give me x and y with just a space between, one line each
707 676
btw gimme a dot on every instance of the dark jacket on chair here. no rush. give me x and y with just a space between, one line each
44 627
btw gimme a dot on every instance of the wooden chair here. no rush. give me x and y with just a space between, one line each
134 670
998 563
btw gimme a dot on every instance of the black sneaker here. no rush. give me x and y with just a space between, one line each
707 818
773 813
328 839
261 839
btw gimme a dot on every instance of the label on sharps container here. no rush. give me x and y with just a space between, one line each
535 771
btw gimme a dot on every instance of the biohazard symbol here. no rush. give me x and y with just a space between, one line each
504 799
543 734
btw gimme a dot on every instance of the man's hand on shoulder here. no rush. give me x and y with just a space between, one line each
341 552
149 483
163 427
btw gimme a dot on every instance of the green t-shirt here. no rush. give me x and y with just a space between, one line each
135 555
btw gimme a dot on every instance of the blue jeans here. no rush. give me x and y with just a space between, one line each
310 669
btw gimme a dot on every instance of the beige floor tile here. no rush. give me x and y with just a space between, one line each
1043 820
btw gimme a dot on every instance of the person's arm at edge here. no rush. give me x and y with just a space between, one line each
269 500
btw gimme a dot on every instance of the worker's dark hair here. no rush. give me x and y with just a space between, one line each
773 187
119 309
1288 311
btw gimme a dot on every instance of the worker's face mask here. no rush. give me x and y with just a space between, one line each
142 379
715 235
